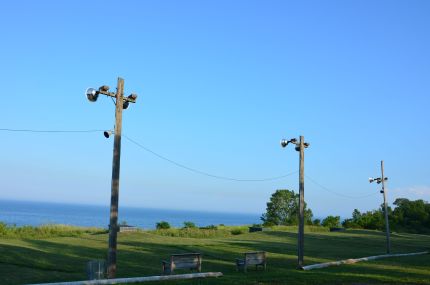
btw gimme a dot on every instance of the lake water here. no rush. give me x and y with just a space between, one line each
38 213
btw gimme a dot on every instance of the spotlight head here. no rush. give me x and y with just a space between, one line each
132 96
382 191
293 140
92 94
107 134
284 142
104 88
125 105
371 179
385 178
306 145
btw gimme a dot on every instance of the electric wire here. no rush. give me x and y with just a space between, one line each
50 131
203 172
190 168
337 193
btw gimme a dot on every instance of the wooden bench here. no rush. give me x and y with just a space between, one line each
252 258
192 261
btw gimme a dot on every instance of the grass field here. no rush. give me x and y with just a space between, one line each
63 258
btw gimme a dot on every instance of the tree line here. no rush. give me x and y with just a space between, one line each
407 216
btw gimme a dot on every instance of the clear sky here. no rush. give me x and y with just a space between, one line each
219 84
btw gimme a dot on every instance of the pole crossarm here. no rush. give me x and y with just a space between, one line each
131 98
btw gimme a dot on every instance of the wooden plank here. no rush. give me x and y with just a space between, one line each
138 279
355 260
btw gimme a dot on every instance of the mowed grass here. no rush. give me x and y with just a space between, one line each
55 259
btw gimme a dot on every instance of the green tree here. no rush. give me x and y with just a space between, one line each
283 209
331 222
163 225
371 220
189 225
411 216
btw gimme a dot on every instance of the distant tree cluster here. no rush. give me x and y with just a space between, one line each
407 216
411 216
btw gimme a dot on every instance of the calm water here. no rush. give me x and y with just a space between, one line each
37 213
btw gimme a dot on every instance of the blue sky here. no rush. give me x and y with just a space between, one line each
219 84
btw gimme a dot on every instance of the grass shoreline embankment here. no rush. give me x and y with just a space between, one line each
59 253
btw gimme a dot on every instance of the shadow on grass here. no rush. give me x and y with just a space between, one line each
141 254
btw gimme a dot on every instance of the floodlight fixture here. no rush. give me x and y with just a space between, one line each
104 88
284 142
107 134
132 96
92 94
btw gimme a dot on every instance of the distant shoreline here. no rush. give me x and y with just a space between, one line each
31 213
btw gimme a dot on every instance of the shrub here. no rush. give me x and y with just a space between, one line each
45 231
210 227
189 225
163 225
236 232
331 222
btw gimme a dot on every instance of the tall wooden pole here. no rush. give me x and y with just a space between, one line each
301 242
387 226
113 223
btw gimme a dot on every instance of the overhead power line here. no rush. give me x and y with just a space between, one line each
50 131
337 193
203 172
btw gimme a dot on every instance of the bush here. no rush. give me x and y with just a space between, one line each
236 232
331 222
46 231
163 225
189 225
210 227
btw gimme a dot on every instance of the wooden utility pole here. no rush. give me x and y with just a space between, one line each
121 103
113 222
387 226
301 233
300 147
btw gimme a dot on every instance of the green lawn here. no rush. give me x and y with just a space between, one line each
37 260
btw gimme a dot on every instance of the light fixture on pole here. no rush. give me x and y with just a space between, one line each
120 104
107 134
300 147
382 180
